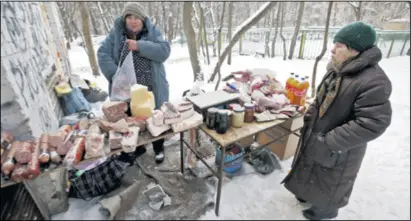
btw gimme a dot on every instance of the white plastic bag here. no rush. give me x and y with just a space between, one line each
124 78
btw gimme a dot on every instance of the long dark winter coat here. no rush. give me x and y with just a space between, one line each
331 149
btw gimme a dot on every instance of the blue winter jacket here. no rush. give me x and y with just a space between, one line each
154 48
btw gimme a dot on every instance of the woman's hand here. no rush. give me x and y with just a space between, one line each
132 45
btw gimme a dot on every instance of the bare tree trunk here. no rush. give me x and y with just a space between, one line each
335 14
87 38
230 26
319 57
94 23
296 30
170 26
163 6
277 22
106 27
203 24
150 10
357 9
247 24
178 20
220 31
191 40
268 34
281 30
214 29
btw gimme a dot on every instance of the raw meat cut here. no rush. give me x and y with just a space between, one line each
56 139
64 147
138 122
23 154
8 162
19 173
130 140
94 145
33 167
184 105
6 139
120 126
115 110
114 140
76 152
156 130
158 117
44 149
195 120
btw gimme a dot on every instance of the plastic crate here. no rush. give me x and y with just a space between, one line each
235 165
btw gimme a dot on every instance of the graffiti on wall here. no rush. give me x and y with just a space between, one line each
28 59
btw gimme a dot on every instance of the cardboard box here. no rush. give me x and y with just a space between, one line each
285 147
246 142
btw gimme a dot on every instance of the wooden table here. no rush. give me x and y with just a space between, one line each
233 135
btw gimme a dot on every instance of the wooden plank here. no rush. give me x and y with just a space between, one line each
235 134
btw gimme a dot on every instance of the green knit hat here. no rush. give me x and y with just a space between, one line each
357 35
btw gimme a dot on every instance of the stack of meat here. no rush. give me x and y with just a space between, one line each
172 116
266 93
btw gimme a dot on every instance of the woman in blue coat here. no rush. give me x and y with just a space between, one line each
133 31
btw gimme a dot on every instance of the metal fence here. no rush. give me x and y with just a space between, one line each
310 42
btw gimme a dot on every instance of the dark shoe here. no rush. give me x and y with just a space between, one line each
131 157
94 95
159 157
301 200
315 213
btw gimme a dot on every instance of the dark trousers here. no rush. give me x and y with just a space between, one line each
158 146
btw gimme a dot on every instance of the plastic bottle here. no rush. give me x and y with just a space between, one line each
288 84
299 92
293 86
305 86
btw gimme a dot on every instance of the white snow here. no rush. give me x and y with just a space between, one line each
382 189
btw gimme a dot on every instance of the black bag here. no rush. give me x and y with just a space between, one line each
100 180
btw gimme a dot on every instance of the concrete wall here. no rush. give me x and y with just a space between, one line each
33 54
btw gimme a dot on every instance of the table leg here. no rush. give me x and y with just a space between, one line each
220 181
182 152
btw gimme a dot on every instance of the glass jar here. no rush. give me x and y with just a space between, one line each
211 118
221 125
249 112
229 117
238 116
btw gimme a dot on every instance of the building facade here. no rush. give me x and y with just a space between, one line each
33 55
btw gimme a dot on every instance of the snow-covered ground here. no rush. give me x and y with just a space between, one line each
382 189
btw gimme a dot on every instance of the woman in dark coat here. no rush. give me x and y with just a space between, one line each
133 31
351 108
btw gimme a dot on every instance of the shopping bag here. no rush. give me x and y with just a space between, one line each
97 181
124 78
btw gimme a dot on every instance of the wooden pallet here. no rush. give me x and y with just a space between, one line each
17 204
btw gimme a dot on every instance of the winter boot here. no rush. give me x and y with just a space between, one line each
315 213
159 157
